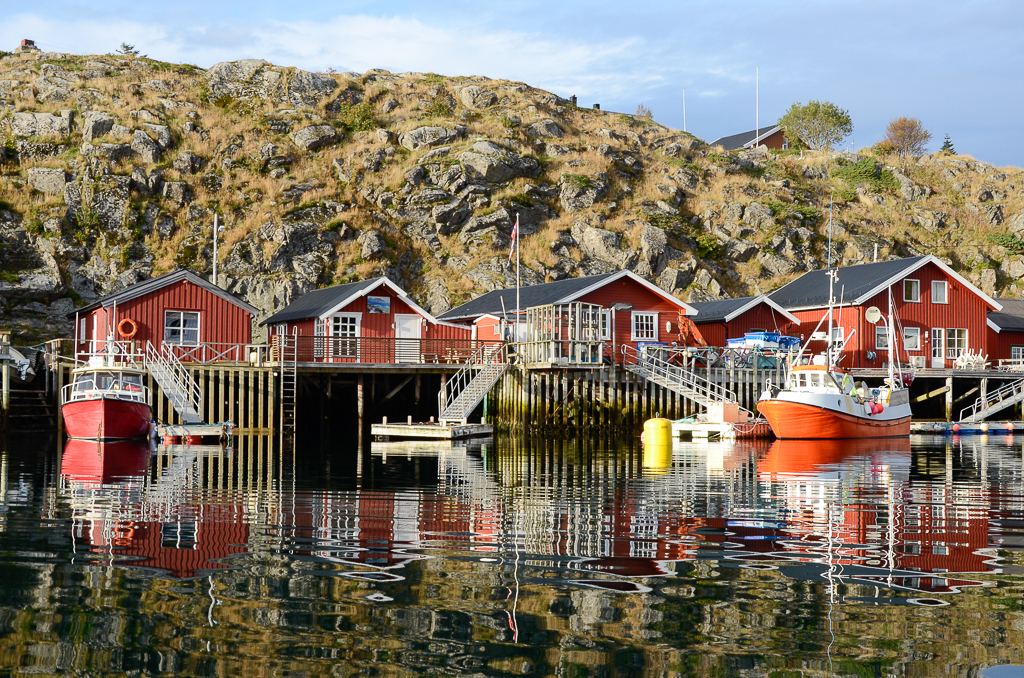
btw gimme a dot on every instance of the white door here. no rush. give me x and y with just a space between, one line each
938 348
407 338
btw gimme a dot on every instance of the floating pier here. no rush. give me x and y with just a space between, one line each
965 428
723 430
196 432
429 431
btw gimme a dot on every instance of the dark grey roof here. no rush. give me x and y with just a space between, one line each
532 295
734 141
811 289
314 304
153 284
1011 317
709 311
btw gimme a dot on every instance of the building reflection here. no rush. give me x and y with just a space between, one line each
573 508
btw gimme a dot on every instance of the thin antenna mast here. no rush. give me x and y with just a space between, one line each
757 104
684 109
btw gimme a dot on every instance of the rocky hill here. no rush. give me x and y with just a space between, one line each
113 167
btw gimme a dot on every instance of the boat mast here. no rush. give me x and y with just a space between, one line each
831 285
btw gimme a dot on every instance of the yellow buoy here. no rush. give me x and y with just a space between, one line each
657 443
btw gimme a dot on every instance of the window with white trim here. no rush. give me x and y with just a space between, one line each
181 327
1017 353
645 326
912 290
912 338
606 324
344 335
939 288
881 337
838 337
956 342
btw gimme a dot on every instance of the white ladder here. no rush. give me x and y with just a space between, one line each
288 348
675 378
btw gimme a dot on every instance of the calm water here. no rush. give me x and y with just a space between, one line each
542 557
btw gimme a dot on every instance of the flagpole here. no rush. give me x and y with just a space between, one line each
518 235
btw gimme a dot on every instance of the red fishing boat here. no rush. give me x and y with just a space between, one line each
106 402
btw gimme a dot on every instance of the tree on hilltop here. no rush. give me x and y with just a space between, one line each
947 147
908 137
819 124
127 50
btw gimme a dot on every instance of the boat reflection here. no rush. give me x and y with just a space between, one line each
98 462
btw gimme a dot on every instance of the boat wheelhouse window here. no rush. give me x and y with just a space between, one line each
912 290
803 380
815 379
912 338
881 337
939 292
85 383
181 327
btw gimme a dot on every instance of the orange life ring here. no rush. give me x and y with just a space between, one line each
121 331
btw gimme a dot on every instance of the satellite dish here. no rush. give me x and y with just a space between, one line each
872 315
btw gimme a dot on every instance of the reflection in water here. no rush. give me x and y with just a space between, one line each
523 556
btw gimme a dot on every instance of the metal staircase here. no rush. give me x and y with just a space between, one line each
675 378
469 385
288 351
177 384
1004 396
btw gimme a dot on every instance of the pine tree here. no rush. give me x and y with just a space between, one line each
947 146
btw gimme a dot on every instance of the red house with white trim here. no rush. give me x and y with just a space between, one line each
1006 332
942 315
200 320
634 310
370 321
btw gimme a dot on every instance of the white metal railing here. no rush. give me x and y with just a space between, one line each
487 354
202 353
181 380
694 387
1004 396
118 388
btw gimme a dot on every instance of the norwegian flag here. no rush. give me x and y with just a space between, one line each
515 235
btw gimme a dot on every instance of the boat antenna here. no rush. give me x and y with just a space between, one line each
829 231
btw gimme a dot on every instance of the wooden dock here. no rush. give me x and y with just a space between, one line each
223 431
429 431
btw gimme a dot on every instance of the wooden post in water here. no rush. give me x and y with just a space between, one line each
949 398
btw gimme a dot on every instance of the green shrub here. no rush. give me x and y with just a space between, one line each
1011 242
863 172
579 180
440 105
359 117
708 247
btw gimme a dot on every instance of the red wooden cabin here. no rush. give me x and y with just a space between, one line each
634 310
195 317
371 321
731 318
942 315
769 136
1006 334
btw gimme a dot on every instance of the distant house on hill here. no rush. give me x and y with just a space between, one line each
772 137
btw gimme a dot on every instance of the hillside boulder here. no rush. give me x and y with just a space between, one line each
315 137
545 129
486 161
145 148
425 137
477 97
306 90
49 180
246 79
577 193
96 124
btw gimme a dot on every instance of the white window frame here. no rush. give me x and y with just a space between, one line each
644 316
1017 353
345 345
181 329
917 287
606 324
954 349
881 338
940 285
838 336
320 339
914 332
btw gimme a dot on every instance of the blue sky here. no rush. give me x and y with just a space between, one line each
952 65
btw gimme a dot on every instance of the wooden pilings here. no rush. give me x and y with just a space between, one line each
606 399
